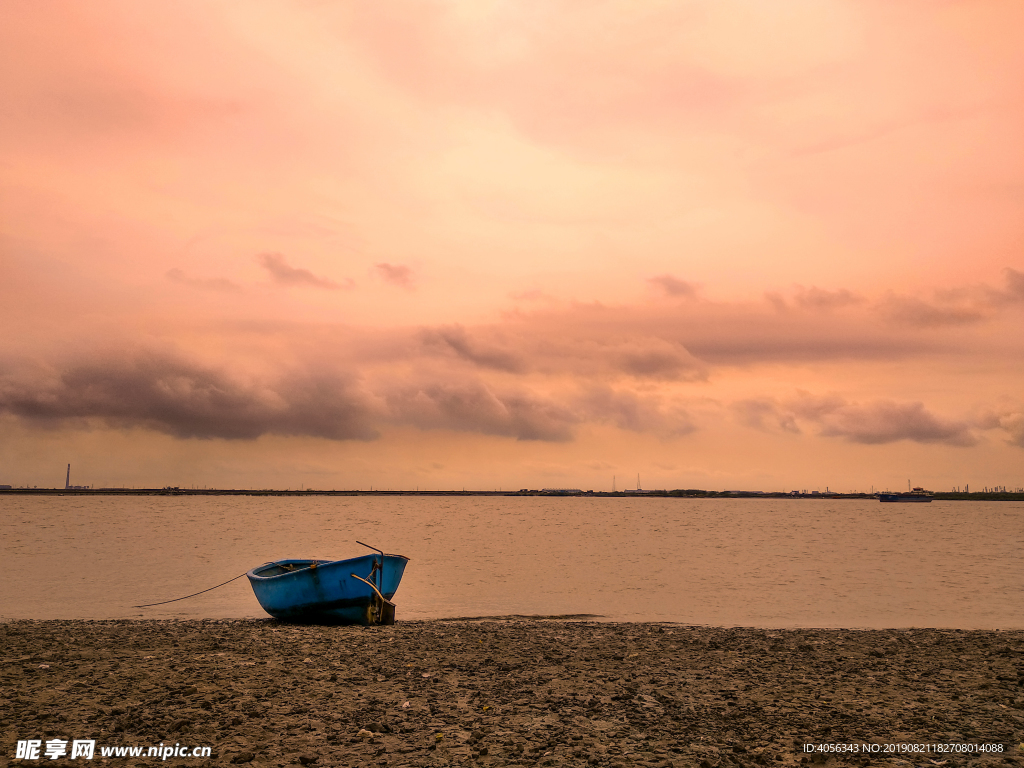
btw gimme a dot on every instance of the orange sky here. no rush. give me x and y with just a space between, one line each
722 244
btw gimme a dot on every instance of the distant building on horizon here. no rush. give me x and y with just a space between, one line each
69 487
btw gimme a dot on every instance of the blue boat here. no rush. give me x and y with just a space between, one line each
353 591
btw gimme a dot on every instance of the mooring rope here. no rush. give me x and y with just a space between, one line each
186 597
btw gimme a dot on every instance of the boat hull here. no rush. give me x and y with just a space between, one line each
904 498
325 591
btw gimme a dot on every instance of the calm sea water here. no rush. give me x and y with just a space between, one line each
742 562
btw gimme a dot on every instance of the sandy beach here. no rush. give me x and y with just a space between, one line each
512 691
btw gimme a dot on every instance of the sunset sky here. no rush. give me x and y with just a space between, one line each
719 244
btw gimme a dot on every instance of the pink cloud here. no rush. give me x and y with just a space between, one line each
673 286
818 299
284 274
396 274
764 414
207 284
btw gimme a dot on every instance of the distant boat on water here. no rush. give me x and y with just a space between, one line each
354 591
913 495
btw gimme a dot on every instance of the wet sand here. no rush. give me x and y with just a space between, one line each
509 692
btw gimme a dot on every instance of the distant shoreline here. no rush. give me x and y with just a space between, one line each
675 494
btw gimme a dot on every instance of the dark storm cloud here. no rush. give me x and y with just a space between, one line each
284 274
474 407
180 398
457 340
187 400
655 359
562 343
1011 421
635 412
881 421
886 422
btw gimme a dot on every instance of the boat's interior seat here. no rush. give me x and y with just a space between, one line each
278 568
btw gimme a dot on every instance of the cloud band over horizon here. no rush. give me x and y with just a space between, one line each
534 376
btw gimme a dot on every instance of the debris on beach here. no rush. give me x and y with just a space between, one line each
512 692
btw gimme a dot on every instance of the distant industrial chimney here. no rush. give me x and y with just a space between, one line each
67 480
